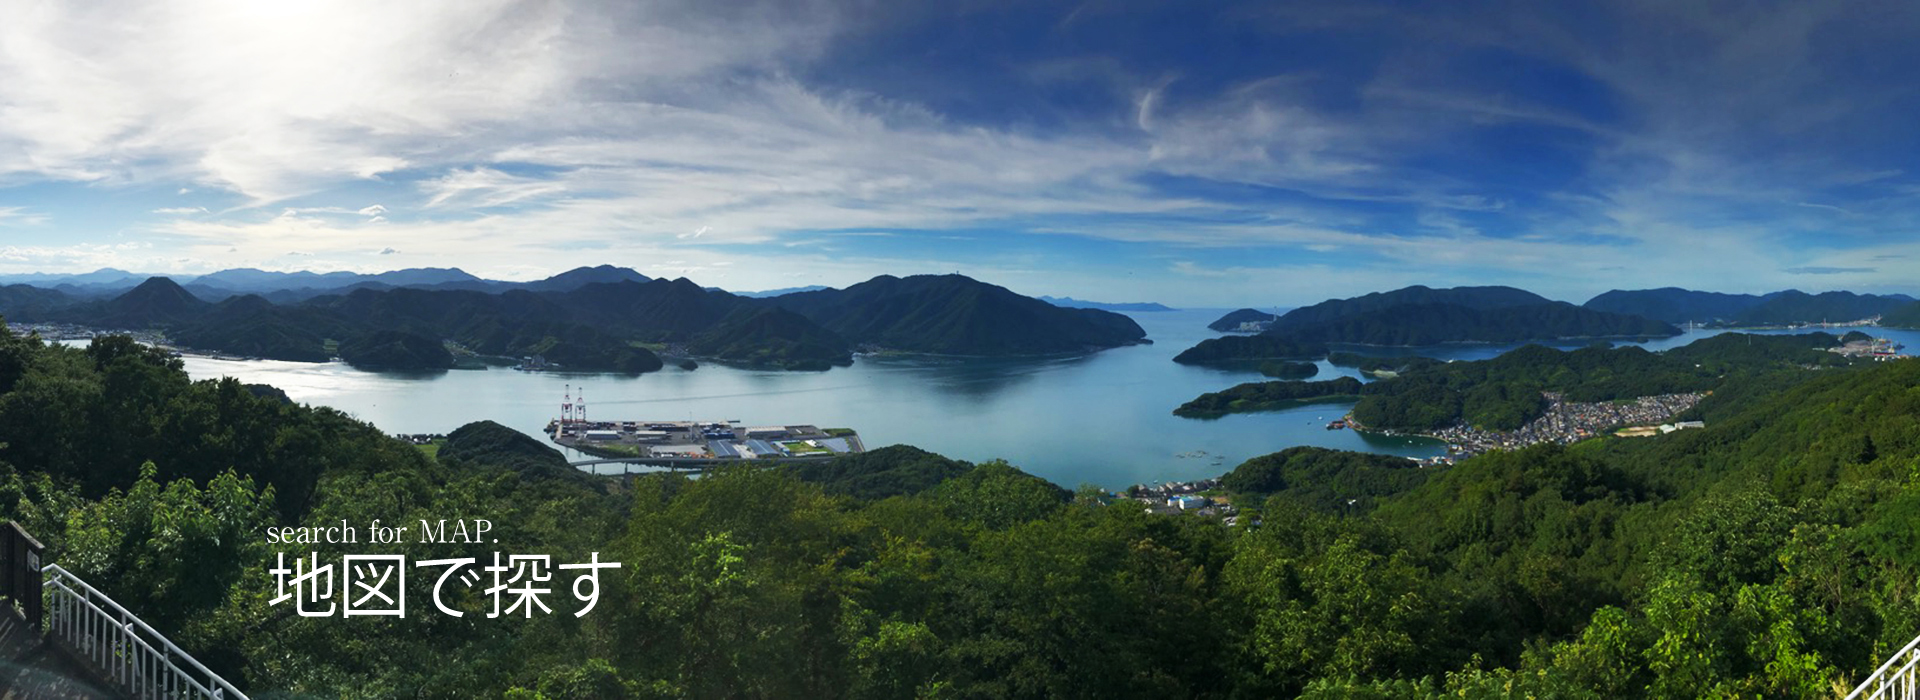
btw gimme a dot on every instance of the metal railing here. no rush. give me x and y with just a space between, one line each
121 648
1895 679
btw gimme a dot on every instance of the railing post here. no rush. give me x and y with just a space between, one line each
20 571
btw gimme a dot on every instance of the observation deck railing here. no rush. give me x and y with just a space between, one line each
94 633
1897 679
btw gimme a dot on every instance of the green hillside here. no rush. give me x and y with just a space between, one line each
952 314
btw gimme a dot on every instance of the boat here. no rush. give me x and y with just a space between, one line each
1337 425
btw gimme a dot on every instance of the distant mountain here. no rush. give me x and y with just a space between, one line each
1423 316
1244 320
291 287
1433 324
156 302
1906 316
251 326
396 350
49 280
953 314
1675 305
1794 306
772 336
1072 303
582 276
592 319
776 292
250 279
1465 297
22 303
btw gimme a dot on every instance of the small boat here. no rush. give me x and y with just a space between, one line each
1337 425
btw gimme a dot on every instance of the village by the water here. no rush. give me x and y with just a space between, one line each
1564 422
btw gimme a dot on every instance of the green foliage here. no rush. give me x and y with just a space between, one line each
1328 481
1245 349
1794 306
395 350
489 445
1263 396
772 337
1416 324
1504 393
956 315
1289 370
895 470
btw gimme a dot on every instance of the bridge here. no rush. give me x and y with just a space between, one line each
67 639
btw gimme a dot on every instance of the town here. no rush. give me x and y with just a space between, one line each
1566 422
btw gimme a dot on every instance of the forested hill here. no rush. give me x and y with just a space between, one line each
1423 316
1765 555
1233 320
1466 297
1433 324
1675 305
1793 306
1905 316
957 315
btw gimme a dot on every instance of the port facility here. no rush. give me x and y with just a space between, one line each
701 443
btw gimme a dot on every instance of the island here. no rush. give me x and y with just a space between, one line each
1418 316
1782 308
1244 321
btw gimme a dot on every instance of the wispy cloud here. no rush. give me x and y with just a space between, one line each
1818 270
20 216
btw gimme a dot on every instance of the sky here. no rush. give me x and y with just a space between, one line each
1208 153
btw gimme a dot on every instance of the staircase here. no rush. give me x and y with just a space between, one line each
62 638
1897 679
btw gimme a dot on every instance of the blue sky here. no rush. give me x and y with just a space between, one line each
1205 154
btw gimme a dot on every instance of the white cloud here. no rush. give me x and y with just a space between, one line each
20 216
522 133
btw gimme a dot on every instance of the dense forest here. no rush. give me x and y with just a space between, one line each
1268 396
1249 349
1767 555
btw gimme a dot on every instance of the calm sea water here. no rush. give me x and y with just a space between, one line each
1103 419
